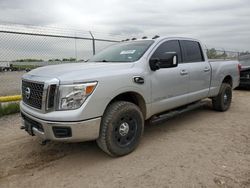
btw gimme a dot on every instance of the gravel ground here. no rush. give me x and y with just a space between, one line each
202 148
10 83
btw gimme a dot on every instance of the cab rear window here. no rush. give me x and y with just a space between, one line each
191 51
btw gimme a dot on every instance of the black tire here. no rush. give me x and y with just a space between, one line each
121 129
223 100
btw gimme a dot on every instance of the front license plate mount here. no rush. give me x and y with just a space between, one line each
28 127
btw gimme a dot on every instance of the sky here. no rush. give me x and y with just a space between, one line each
223 24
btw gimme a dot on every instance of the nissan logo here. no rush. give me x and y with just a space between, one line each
27 92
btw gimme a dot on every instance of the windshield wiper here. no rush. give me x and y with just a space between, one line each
104 60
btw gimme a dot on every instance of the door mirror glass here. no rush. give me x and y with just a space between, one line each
167 60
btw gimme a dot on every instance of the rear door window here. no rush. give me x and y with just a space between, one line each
191 51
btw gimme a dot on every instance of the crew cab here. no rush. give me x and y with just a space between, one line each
109 98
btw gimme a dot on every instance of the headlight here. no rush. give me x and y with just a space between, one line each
73 96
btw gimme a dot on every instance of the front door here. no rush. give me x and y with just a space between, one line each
169 85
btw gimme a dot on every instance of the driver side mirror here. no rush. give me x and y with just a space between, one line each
168 60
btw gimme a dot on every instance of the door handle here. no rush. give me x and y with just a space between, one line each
183 72
207 69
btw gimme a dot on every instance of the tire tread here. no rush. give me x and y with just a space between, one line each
217 101
102 141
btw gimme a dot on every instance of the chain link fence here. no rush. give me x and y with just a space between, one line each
213 53
26 47
42 44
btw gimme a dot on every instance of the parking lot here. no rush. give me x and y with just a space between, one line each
202 148
10 83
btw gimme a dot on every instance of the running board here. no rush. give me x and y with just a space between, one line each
170 114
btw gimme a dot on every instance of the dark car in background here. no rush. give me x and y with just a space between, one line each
245 71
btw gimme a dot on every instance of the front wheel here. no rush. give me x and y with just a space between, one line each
121 128
223 100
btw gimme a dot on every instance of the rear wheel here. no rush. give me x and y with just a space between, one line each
223 100
121 128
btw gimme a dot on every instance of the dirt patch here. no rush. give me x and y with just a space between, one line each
202 148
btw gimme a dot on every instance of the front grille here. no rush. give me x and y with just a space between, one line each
245 74
32 93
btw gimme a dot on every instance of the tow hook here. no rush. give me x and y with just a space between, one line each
44 142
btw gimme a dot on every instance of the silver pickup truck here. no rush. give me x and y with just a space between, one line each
109 97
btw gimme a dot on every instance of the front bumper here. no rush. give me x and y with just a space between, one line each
77 131
244 82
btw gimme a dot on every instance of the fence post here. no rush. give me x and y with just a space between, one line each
93 41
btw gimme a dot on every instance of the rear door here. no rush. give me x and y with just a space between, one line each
199 70
169 85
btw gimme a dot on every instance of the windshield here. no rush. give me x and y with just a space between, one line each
123 52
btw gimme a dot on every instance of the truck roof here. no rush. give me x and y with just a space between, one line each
158 39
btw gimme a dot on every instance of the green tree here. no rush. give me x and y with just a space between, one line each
211 53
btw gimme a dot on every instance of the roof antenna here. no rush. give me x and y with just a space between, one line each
145 37
156 36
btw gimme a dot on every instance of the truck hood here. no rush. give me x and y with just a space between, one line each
80 72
